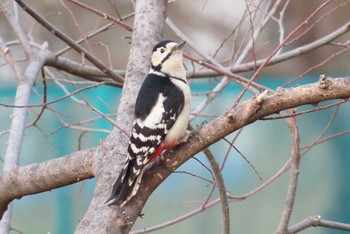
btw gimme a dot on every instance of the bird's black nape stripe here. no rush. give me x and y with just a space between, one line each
166 57
159 66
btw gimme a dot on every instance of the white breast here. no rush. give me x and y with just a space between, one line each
178 131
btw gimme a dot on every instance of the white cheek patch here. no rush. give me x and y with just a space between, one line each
156 59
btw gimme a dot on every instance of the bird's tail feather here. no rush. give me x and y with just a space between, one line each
120 186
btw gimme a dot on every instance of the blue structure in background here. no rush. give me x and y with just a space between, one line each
62 139
64 206
340 208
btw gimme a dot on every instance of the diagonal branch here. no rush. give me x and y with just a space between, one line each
58 33
102 14
86 71
242 115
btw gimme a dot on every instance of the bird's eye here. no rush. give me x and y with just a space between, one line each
162 50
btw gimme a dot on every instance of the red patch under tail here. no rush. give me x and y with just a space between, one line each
159 151
155 155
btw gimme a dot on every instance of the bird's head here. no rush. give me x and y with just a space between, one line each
167 58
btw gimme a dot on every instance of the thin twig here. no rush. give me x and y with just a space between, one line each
102 14
280 25
316 221
227 73
43 79
306 111
225 212
319 20
322 63
77 25
292 188
256 74
249 66
178 219
58 33
56 100
245 158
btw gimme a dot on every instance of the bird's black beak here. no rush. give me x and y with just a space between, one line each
180 45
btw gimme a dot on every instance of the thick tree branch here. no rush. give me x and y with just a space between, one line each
85 71
242 115
41 177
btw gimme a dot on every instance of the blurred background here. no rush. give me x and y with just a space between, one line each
324 187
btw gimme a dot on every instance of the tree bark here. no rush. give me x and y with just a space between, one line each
110 155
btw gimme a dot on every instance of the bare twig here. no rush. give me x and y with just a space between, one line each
338 103
77 25
229 74
245 158
93 33
283 56
280 25
108 119
22 37
257 72
280 172
322 63
44 99
54 30
56 100
178 219
316 221
102 14
319 20
225 212
292 188
332 137
225 81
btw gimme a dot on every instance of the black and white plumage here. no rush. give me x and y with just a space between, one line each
162 111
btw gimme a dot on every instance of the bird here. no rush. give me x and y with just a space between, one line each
162 111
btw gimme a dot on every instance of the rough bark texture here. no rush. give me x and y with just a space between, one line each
40 177
100 218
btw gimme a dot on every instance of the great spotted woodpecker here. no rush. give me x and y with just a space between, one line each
162 111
